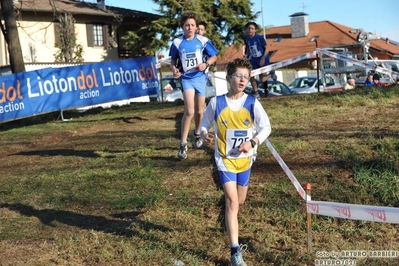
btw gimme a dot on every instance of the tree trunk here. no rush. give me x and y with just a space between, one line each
11 36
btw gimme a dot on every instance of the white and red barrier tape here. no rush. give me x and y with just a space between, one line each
282 63
290 61
354 211
290 175
369 65
340 210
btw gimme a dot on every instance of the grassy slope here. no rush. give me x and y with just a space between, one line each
105 188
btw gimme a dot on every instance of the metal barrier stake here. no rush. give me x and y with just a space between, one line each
309 218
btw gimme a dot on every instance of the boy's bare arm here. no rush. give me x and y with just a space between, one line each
175 71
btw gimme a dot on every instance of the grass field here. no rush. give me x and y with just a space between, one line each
105 188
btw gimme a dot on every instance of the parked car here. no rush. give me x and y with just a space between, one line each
172 90
308 84
274 88
278 88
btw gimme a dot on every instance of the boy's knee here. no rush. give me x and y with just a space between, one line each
190 114
200 112
233 204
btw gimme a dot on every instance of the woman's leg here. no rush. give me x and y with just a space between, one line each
199 112
188 113
231 211
235 188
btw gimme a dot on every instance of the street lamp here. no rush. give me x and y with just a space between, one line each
318 67
315 40
263 23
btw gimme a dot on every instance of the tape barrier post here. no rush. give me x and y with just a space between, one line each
309 219
61 115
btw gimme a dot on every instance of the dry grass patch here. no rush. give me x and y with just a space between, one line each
106 188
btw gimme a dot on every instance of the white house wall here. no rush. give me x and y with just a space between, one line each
3 52
93 54
41 36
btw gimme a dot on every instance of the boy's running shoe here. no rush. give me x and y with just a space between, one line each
256 94
236 259
182 153
197 141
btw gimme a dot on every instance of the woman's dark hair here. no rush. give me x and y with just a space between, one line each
376 77
187 15
251 23
203 23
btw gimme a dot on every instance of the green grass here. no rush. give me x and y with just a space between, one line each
105 188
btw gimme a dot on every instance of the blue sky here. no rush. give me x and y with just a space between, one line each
380 17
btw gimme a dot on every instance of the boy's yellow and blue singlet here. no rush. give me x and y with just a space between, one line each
234 128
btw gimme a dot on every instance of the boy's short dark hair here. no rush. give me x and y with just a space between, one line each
203 23
238 63
187 15
251 23
376 77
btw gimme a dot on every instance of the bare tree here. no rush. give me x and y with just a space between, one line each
68 51
10 32
65 37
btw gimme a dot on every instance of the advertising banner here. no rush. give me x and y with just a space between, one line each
52 89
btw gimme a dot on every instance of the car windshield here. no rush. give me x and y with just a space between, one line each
294 83
278 88
302 82
171 84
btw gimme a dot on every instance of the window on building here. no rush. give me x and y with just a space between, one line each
97 35
98 38
278 39
314 38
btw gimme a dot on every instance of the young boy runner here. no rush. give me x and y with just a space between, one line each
234 116
190 49
202 28
257 52
202 31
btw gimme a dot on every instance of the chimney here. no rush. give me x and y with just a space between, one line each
387 41
299 25
101 4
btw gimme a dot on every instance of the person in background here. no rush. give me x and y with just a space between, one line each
369 81
202 26
350 83
235 116
257 52
376 80
190 49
